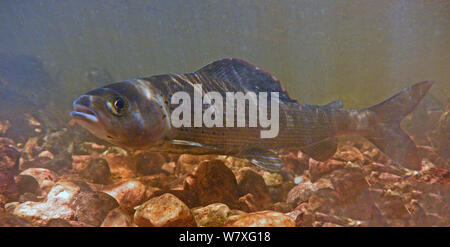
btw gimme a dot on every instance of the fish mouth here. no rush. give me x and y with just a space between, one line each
84 113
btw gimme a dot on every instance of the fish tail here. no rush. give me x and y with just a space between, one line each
384 128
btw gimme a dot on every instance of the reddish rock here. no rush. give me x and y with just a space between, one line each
8 186
11 220
261 219
157 180
253 189
128 193
26 183
318 169
301 193
213 182
118 218
348 183
58 223
96 171
163 211
149 162
45 177
92 207
92 148
348 153
9 155
282 207
187 163
58 204
295 161
121 164
213 215
169 167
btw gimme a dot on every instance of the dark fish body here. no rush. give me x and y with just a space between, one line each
144 118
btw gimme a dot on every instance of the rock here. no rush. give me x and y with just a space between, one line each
57 205
213 215
8 186
27 196
348 183
58 223
45 177
169 167
282 207
92 148
253 189
11 220
318 169
348 153
92 207
9 155
58 142
163 211
26 183
31 148
188 197
157 180
261 219
272 179
96 171
148 163
128 193
11 206
301 193
118 218
295 161
187 163
120 163
213 182
279 193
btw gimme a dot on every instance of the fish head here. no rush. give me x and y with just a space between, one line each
126 114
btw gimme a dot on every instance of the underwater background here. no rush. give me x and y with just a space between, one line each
359 52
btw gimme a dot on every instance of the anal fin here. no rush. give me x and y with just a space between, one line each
321 151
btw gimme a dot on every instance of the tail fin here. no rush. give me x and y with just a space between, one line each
387 134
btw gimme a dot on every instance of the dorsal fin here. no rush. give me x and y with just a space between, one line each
335 104
233 75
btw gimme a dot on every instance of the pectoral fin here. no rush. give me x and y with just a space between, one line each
321 151
265 159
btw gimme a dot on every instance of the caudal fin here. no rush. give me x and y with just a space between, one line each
387 134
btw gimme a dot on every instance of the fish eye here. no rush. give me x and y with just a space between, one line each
118 105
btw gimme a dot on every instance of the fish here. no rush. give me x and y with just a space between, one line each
135 114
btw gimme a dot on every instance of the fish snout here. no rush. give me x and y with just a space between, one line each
82 109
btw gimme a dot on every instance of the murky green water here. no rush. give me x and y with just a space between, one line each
357 51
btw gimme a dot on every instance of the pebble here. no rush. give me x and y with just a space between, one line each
57 204
128 194
9 155
45 177
253 190
118 218
213 182
96 171
213 215
11 220
261 219
92 207
163 211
